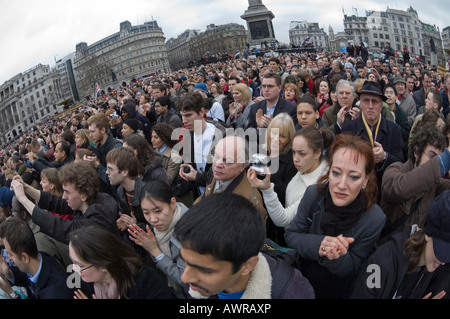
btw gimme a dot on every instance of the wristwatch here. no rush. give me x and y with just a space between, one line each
14 295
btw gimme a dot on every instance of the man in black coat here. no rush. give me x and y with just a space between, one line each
41 275
263 112
62 157
384 135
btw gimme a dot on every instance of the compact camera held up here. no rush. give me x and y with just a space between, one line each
259 164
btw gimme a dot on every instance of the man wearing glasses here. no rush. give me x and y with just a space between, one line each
264 111
229 175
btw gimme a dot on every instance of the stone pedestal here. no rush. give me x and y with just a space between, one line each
259 23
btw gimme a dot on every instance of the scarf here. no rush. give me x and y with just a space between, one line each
372 134
335 220
163 237
259 285
106 291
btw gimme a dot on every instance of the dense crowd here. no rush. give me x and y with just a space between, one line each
297 176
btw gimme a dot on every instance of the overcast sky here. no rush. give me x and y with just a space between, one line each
40 31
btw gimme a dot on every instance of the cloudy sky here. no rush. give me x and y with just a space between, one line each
40 31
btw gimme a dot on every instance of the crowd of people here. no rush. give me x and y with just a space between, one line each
174 186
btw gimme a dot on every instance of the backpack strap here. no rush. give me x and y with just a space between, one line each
281 278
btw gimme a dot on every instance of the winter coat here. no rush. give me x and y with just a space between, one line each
240 186
283 106
104 211
331 277
51 282
403 184
260 285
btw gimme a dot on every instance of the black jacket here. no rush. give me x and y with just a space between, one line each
283 106
389 135
104 211
393 265
101 152
51 283
148 285
41 163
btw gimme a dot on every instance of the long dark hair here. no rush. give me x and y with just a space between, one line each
98 246
413 249
146 155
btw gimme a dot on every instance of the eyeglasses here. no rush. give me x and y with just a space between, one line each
268 86
77 268
218 159
367 101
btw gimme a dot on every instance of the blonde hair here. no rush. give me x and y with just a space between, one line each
285 124
243 88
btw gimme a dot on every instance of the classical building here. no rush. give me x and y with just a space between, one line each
405 30
301 31
218 40
27 99
446 41
402 28
193 45
356 29
133 52
179 52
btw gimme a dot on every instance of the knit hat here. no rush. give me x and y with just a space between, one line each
438 226
348 65
132 123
